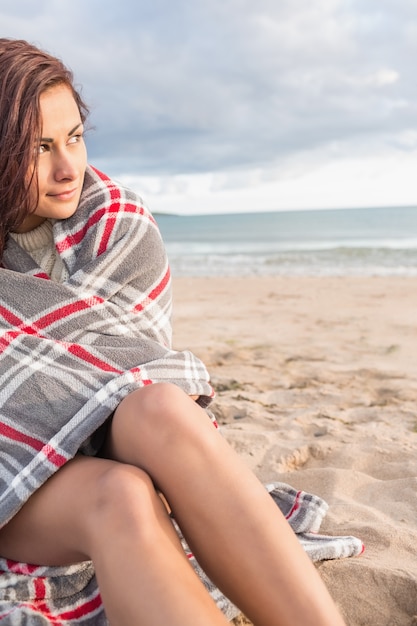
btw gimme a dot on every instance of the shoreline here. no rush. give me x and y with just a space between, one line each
316 381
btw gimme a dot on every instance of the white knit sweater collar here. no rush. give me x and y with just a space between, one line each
35 239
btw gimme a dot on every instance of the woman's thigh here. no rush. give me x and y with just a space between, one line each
52 526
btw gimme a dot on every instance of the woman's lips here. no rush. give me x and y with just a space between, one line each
64 195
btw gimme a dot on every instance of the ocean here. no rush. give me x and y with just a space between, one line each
361 242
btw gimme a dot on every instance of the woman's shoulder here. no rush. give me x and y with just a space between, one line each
96 182
103 196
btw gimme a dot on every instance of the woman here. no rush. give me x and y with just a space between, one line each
99 416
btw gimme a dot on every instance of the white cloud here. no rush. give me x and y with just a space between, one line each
309 183
218 97
385 77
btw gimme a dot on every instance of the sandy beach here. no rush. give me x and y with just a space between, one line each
316 383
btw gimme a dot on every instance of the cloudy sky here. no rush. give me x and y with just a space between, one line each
237 105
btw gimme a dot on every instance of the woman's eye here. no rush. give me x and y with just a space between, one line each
43 147
75 138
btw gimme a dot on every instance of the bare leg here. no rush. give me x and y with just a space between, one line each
109 512
235 530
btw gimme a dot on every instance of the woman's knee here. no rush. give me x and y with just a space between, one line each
124 507
154 423
122 492
165 408
159 398
85 500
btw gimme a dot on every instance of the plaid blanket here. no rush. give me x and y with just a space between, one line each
70 352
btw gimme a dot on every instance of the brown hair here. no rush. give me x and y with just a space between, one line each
25 73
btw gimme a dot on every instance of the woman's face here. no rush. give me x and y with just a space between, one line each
62 158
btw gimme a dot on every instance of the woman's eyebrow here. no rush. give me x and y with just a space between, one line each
71 132
75 128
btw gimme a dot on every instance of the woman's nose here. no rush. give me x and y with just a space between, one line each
64 166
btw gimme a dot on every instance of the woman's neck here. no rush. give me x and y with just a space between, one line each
30 222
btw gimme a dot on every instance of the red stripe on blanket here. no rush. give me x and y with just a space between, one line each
53 456
73 349
40 588
75 238
59 619
20 568
136 371
65 311
7 340
295 506
42 275
10 317
40 606
108 229
43 609
15 435
86 356
111 221
83 610
161 286
50 318
101 175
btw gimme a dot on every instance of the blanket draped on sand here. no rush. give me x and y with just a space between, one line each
69 353
40 596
